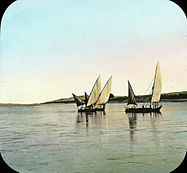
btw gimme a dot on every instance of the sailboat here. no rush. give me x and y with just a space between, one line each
155 96
97 99
104 96
89 103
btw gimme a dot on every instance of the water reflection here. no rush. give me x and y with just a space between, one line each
77 139
86 119
132 117
79 118
90 117
133 122
152 118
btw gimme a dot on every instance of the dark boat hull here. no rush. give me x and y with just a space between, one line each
143 110
91 110
86 110
100 109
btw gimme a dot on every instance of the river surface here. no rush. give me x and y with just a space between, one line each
55 138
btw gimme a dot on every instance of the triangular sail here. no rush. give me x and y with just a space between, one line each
105 93
78 101
131 96
95 92
157 85
86 97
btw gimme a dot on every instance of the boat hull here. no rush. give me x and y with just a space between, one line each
92 110
143 110
86 110
100 109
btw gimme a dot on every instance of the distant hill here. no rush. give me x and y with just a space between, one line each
165 97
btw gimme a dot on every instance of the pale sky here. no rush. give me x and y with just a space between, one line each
51 48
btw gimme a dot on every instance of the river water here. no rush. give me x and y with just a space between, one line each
55 138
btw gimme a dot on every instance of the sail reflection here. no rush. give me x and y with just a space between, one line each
79 118
153 119
132 117
90 118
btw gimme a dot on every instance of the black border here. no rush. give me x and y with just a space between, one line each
5 4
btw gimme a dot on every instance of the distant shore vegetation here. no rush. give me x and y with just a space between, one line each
165 97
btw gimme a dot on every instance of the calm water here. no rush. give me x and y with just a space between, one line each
56 138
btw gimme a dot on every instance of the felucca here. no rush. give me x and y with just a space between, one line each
89 102
155 97
104 96
97 100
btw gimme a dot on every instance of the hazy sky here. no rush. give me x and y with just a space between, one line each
51 48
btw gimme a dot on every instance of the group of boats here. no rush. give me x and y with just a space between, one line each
98 98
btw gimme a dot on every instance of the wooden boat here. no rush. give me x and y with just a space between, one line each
89 102
155 97
104 96
80 104
143 110
97 100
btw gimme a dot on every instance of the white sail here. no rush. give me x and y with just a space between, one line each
95 92
105 93
157 85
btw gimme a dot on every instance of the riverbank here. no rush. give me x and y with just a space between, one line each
165 97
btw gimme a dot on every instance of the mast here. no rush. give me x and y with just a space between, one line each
95 92
131 96
86 97
157 85
105 93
